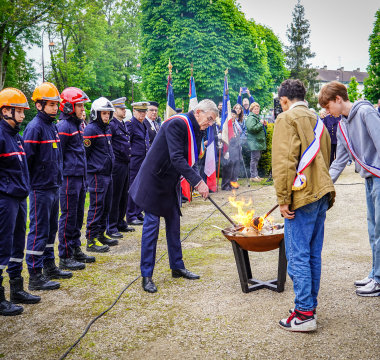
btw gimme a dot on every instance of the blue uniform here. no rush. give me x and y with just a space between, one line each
14 188
122 149
43 152
97 140
73 189
139 147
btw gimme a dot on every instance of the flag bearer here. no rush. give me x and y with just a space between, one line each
97 139
14 188
73 188
122 149
43 151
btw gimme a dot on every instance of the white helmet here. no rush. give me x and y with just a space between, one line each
101 104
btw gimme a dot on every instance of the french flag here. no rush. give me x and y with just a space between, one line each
210 167
193 101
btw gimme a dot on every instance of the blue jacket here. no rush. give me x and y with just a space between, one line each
43 151
156 188
73 153
331 124
97 140
151 130
120 141
14 176
139 142
239 101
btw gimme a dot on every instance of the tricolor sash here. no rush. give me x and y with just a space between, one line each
371 169
308 156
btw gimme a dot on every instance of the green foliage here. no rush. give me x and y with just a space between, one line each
265 162
372 83
214 36
352 89
298 53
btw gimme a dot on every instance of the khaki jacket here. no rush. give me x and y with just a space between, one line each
293 133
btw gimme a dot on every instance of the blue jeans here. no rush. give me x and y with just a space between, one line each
372 190
303 243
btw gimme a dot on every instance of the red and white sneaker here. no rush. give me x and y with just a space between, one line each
302 321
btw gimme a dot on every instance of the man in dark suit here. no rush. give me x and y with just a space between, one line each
157 190
139 139
150 121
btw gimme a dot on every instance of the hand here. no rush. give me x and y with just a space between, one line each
203 189
286 213
265 123
262 121
227 155
249 94
205 143
220 136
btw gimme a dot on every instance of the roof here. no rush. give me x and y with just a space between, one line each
344 76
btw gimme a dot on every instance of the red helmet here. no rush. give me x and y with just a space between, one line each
71 96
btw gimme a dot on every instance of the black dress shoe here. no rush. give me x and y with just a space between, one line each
126 228
178 273
148 285
70 264
115 235
53 272
80 256
19 295
41 282
136 222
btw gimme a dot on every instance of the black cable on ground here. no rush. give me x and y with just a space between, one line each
133 281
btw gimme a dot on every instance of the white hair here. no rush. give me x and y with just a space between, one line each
207 105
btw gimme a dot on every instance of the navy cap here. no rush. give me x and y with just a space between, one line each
119 103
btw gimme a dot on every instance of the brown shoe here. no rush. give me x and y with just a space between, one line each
256 179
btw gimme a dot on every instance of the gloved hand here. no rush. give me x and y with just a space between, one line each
219 136
227 155
220 145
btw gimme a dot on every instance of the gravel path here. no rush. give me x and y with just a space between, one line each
210 318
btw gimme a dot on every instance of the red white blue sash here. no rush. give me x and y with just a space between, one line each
192 150
308 156
371 169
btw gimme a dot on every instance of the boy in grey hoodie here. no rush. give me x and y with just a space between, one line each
359 138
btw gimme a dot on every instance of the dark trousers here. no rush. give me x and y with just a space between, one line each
230 172
100 189
12 234
149 242
119 197
333 153
43 226
133 211
72 197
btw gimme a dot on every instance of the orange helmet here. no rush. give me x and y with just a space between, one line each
46 91
13 98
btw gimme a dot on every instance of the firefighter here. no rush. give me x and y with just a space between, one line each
14 189
44 156
97 139
73 189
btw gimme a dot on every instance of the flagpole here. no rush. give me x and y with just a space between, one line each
220 154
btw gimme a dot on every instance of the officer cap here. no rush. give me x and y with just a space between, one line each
119 103
153 103
141 105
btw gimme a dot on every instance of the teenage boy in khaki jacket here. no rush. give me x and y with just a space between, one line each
304 208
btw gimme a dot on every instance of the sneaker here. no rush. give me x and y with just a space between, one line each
106 240
299 321
371 289
94 245
291 311
256 179
363 282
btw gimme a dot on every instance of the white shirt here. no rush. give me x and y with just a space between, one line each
151 122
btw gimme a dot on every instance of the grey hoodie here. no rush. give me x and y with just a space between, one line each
363 127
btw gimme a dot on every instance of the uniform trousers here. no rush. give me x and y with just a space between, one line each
43 226
100 189
149 242
12 234
72 197
119 197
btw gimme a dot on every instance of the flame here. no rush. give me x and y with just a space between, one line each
270 219
261 224
234 184
242 217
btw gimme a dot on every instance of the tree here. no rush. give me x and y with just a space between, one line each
352 89
372 83
298 53
214 35
18 25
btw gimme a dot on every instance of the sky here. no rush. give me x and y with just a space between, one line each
339 28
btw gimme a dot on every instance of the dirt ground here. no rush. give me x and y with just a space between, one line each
210 318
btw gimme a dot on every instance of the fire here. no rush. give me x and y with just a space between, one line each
242 217
234 184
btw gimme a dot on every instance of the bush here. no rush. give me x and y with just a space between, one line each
265 163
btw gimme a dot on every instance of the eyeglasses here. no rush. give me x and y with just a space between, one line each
209 119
